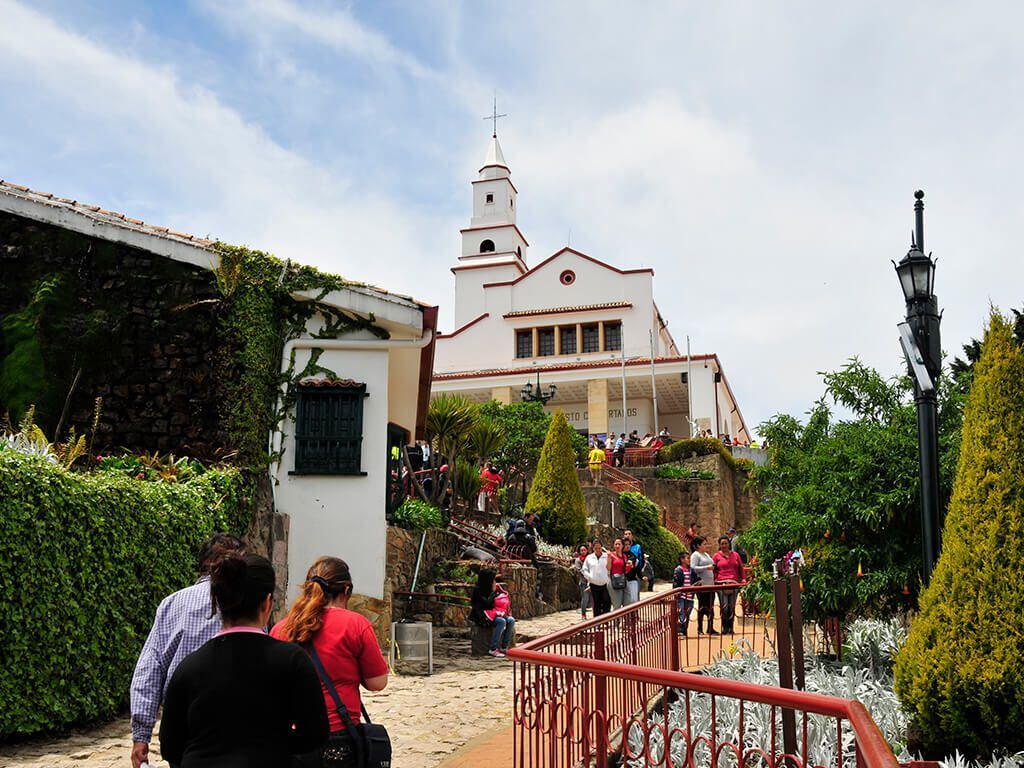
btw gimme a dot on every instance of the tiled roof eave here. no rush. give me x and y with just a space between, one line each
94 221
565 366
564 310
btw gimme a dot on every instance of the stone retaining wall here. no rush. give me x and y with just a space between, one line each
600 502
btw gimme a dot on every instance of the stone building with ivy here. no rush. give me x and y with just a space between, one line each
191 347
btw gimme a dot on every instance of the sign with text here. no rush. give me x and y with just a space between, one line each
638 415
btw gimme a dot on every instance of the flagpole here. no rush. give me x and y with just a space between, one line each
654 387
689 390
625 422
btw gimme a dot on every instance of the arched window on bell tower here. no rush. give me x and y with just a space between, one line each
487 246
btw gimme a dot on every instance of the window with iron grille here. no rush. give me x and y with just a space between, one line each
568 334
591 338
612 337
524 343
329 429
545 341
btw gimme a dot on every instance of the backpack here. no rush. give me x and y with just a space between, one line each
641 559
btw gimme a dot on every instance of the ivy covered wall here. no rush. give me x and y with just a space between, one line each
138 330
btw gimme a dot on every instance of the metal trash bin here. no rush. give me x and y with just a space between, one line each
412 641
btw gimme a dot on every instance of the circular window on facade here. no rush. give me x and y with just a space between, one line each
568 277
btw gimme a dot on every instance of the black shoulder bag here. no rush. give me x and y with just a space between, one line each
370 742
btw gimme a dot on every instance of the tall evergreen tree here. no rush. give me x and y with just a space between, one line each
961 672
556 496
963 368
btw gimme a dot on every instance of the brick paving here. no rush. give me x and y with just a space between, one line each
429 718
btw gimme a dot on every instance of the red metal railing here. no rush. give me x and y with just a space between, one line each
611 687
619 481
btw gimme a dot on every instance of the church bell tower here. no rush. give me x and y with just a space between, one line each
493 248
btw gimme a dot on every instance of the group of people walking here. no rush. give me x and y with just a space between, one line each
610 580
697 568
234 694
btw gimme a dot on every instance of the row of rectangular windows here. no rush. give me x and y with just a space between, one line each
569 339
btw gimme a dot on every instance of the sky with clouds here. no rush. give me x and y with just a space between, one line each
760 157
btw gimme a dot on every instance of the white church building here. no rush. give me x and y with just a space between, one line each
574 321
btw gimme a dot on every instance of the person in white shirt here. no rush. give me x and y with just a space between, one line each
703 567
595 571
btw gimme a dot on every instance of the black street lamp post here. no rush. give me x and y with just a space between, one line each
919 336
540 396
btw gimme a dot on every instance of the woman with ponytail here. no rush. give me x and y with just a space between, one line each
242 699
346 645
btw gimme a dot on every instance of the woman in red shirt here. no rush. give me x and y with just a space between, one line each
344 641
728 570
618 566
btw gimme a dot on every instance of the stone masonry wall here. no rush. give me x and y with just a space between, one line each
714 504
141 328
599 501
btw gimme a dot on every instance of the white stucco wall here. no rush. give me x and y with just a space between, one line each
490 343
503 208
336 515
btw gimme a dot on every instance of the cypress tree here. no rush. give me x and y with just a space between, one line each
556 496
961 673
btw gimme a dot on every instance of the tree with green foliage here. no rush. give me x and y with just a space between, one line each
845 491
643 519
961 672
525 426
962 369
556 496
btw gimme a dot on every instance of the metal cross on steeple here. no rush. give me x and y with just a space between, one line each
493 117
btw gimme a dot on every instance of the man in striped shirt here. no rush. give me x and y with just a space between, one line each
184 622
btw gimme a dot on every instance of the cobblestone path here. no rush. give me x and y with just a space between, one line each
429 718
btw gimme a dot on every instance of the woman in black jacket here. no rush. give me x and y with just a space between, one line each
244 699
482 598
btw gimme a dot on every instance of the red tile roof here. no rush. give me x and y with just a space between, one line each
332 383
114 218
100 214
563 310
564 366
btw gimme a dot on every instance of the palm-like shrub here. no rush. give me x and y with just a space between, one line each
961 673
486 438
451 420
556 496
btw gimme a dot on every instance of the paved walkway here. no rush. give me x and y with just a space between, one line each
459 717
429 718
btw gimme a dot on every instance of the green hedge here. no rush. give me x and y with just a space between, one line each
85 558
701 446
661 545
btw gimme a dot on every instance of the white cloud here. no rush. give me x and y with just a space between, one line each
762 162
336 28
222 175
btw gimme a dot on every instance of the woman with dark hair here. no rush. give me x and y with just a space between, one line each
703 568
243 699
492 607
346 645
620 565
728 571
